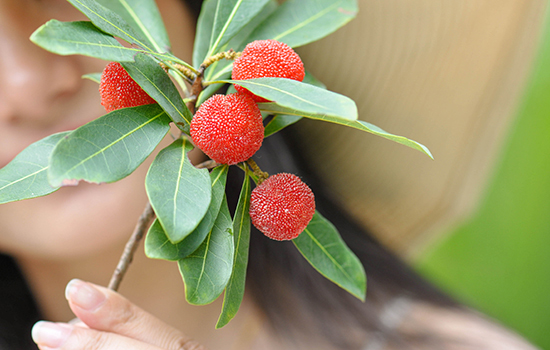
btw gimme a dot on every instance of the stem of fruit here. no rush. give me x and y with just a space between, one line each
144 221
228 55
262 175
182 70
196 89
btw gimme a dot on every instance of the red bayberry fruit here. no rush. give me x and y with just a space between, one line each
119 90
282 206
267 59
228 129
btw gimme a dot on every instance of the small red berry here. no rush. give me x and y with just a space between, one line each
228 128
282 206
267 59
119 90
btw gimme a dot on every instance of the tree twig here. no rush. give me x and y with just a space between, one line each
128 254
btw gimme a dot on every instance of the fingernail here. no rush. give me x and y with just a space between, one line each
52 335
84 295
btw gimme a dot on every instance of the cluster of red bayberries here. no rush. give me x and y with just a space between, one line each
229 129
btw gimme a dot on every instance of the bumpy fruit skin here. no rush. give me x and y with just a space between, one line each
282 206
228 129
119 90
267 59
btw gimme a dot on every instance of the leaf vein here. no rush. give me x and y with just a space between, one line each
308 21
112 143
327 253
140 24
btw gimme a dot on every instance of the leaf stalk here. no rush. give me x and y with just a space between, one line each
261 175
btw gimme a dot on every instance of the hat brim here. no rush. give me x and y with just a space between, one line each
446 73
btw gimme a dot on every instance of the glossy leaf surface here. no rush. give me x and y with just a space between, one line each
306 98
272 108
299 22
281 121
110 22
108 148
239 41
179 193
144 18
207 270
157 244
154 80
81 38
205 25
26 176
324 249
234 291
229 18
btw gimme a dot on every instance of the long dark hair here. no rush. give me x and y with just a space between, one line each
296 299
18 309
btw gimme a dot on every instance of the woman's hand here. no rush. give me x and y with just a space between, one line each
108 321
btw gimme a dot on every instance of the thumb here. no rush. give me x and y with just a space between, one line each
105 310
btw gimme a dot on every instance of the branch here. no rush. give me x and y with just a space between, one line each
128 254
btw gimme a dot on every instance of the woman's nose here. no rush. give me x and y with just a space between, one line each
33 82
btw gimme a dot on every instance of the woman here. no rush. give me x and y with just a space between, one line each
81 231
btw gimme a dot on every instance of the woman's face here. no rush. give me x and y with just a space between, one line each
42 93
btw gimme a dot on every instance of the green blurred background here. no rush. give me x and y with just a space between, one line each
499 261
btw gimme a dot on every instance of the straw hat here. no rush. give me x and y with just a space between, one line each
446 73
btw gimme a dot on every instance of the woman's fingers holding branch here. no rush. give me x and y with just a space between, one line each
50 335
113 321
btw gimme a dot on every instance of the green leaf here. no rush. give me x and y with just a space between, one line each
144 17
108 148
205 24
207 270
230 17
299 22
157 244
302 97
272 108
239 41
280 122
179 193
95 77
26 176
110 22
156 82
80 38
324 249
234 291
